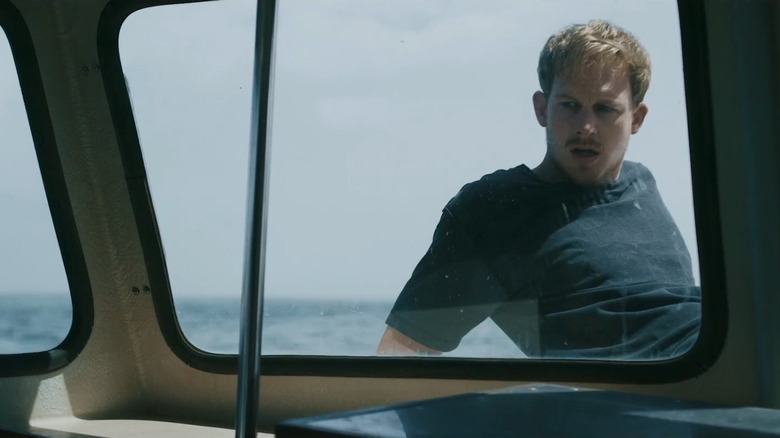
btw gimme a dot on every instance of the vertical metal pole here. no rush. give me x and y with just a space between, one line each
249 350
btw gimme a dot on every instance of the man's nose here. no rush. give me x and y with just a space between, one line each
585 123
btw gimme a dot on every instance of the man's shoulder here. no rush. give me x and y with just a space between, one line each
634 171
519 187
499 188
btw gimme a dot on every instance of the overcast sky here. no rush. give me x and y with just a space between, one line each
382 110
30 260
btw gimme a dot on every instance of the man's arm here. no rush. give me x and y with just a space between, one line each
395 343
451 291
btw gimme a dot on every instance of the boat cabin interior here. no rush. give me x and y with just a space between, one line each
210 207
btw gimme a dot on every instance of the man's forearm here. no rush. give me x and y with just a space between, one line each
395 343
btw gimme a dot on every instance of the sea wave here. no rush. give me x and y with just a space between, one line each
291 326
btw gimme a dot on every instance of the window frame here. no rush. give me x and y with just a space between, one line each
31 85
706 207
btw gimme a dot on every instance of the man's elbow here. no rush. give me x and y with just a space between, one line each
395 343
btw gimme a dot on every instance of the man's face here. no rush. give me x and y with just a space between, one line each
588 118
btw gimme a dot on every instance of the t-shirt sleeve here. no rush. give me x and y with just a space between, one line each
450 291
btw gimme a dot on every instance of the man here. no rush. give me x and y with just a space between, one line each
577 257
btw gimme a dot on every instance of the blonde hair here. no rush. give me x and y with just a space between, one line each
596 43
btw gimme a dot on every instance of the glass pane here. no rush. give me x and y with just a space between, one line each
382 111
189 71
35 307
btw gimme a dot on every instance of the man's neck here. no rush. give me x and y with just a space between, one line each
549 172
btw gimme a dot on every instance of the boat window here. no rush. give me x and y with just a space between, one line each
191 95
382 113
35 304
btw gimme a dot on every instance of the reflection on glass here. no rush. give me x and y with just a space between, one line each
35 308
381 111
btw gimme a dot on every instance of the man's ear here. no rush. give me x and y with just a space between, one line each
540 108
638 117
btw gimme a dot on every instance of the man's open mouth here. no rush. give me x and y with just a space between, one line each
584 152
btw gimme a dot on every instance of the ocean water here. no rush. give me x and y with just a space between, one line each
31 323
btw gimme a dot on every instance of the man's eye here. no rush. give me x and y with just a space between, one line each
570 105
605 109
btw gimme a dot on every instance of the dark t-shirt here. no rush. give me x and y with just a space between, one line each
564 271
